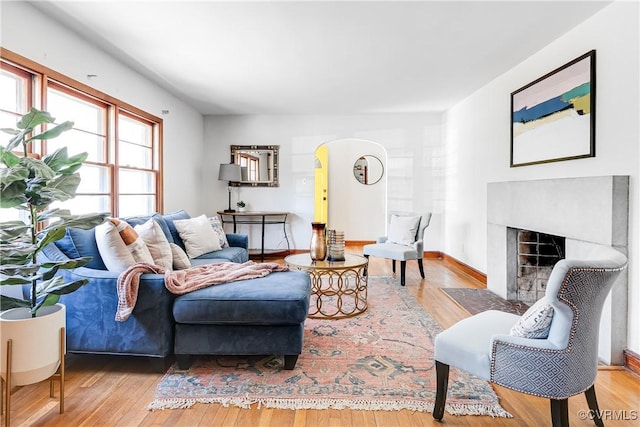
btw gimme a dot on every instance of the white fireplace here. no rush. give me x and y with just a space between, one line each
585 211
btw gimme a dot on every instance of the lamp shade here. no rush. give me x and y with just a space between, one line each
229 172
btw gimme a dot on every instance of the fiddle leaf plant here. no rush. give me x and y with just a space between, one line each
31 184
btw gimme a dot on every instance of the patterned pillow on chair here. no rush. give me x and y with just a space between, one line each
535 322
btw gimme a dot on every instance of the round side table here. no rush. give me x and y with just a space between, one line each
338 288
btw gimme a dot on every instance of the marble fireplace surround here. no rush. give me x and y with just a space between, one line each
586 211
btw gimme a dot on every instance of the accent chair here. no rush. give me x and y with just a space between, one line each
551 351
404 241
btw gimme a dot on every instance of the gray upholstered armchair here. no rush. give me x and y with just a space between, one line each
403 241
494 345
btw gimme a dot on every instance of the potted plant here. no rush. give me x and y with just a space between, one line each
31 184
241 206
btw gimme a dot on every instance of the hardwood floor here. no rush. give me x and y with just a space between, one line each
114 390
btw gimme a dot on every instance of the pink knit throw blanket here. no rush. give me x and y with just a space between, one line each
182 281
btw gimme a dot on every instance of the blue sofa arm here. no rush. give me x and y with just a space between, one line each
238 240
91 325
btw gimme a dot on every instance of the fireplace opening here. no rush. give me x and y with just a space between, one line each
537 253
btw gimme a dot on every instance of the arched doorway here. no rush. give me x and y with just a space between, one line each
344 201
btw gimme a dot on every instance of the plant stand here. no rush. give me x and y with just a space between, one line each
5 389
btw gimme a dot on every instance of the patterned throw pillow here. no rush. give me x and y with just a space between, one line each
217 227
120 246
535 322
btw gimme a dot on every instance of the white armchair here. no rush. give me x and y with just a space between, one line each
556 367
404 241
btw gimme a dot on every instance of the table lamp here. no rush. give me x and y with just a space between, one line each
230 173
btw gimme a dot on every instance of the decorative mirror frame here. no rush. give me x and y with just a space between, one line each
274 152
356 169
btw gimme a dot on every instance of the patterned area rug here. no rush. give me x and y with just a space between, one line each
379 360
478 300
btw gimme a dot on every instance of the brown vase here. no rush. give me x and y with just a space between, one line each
318 248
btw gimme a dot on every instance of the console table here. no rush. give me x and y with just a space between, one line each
262 218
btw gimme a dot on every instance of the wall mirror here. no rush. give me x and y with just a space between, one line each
259 164
368 169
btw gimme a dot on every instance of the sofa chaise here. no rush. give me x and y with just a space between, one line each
257 316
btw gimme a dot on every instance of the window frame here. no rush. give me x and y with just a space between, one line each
43 78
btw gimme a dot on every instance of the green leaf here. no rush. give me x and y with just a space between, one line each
15 255
14 281
8 158
34 118
67 264
12 195
54 132
50 299
57 286
53 213
65 186
50 237
10 131
13 174
38 168
84 221
13 270
60 161
17 140
9 302
12 229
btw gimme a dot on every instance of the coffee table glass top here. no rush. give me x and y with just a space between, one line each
305 261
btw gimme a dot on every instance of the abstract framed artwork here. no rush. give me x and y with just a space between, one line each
553 118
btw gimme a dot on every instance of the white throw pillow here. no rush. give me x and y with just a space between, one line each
403 229
120 246
180 258
157 243
535 322
198 236
217 227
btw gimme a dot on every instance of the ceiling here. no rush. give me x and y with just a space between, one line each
316 57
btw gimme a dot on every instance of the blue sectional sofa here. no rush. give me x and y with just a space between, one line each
151 329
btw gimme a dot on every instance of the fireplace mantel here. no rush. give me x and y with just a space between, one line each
586 211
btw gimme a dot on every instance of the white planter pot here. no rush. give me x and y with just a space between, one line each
35 352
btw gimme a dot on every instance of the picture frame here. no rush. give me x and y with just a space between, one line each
554 117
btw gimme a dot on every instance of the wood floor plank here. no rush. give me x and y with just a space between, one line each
115 390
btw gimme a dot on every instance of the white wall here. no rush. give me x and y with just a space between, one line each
477 138
349 200
28 32
412 142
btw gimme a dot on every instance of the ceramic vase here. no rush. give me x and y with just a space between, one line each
318 247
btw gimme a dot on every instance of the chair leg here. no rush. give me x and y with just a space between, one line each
421 267
364 271
393 266
403 269
442 382
594 410
559 412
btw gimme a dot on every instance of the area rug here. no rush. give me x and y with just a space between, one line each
379 360
475 301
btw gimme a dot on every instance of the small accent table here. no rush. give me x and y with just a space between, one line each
338 288
265 218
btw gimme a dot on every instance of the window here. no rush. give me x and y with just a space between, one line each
122 174
15 96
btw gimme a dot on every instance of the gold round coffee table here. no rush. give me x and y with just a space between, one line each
338 288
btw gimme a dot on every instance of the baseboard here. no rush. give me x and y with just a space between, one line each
358 242
632 361
432 255
478 275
